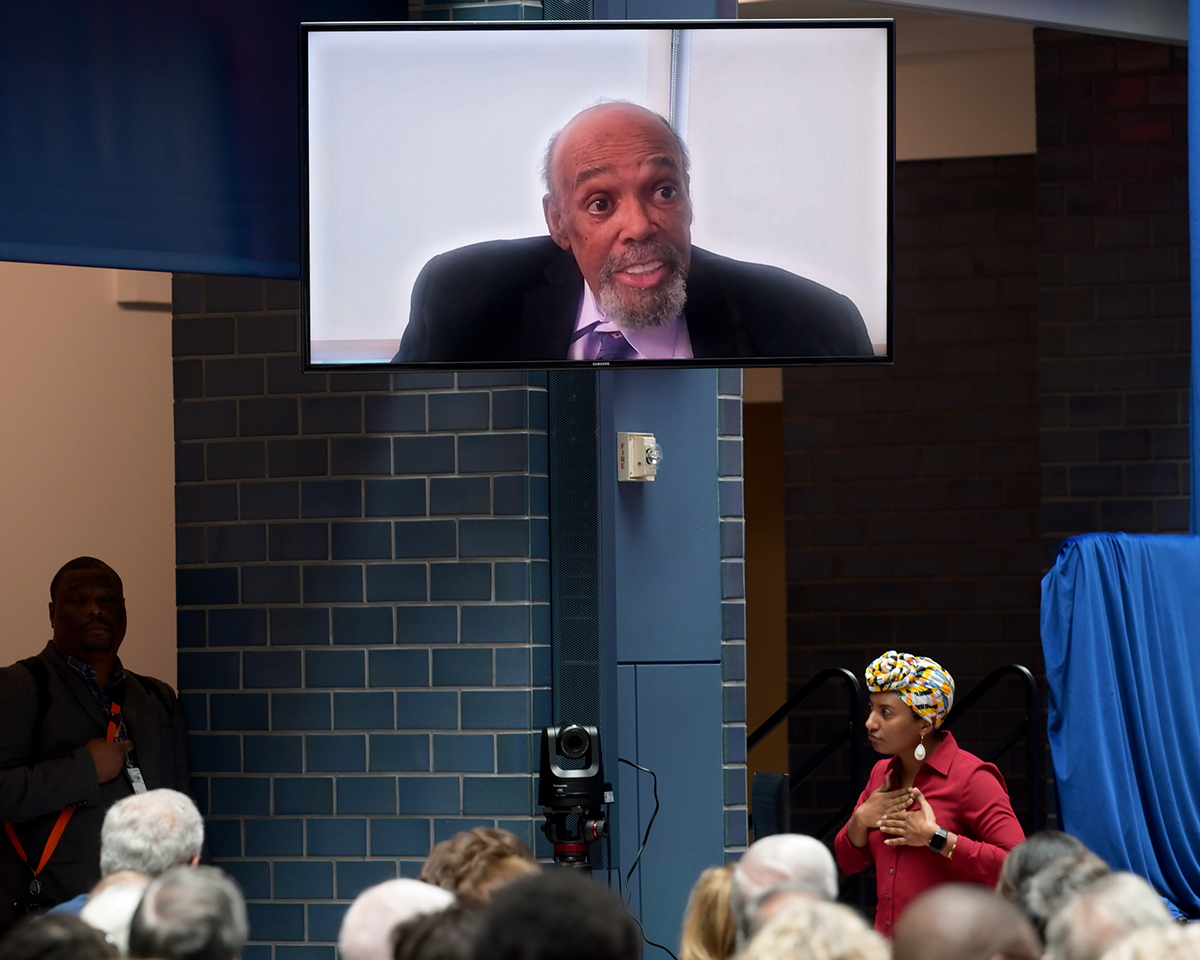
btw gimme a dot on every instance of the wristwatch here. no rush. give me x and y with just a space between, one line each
937 842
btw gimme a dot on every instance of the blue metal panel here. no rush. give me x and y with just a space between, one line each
668 553
679 738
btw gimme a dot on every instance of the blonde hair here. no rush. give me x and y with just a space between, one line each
817 931
1175 941
708 925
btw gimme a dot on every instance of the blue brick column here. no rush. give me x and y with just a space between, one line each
733 609
362 583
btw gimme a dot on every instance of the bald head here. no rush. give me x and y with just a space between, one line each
958 921
618 114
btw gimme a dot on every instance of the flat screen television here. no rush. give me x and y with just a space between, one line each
556 195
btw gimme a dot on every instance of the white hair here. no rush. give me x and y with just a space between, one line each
150 833
1101 914
1176 941
369 927
817 931
802 863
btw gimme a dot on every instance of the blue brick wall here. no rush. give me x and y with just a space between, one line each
733 609
363 592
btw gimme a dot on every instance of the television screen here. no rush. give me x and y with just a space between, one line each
550 195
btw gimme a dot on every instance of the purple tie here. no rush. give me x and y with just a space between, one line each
610 343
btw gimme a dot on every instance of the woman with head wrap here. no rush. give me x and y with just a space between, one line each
931 813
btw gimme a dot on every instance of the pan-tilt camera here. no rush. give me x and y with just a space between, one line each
572 792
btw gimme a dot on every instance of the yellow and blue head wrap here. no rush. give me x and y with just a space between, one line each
923 684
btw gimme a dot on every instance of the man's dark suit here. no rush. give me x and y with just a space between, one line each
518 300
44 767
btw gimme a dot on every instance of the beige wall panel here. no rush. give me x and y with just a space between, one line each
87 464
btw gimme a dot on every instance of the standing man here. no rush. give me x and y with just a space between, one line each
80 733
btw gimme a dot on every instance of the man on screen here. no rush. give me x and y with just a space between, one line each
618 277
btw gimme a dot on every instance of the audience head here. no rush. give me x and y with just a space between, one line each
1173 941
708 928
1100 914
150 833
476 862
816 931
561 914
1040 896
803 863
190 913
112 903
960 921
369 926
56 936
446 935
1026 859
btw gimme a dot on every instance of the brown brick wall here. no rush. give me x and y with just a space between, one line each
912 490
1040 390
1113 285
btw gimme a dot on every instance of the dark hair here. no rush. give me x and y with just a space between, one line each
82 563
1026 859
559 915
190 913
57 936
446 935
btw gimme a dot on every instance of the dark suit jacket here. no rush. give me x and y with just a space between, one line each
516 300
44 768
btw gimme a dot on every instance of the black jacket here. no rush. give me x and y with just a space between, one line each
517 300
44 766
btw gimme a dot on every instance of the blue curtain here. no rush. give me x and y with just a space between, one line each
1121 635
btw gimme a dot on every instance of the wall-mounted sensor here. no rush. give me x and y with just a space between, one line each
638 456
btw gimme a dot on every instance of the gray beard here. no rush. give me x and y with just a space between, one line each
643 309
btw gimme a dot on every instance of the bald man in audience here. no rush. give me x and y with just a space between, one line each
958 921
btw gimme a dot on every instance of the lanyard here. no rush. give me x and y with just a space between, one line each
64 816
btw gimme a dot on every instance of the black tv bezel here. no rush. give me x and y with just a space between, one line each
392 366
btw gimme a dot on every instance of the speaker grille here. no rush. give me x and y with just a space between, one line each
566 9
574 546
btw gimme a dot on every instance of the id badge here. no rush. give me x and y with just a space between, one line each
135 778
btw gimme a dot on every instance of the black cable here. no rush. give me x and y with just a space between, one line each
637 859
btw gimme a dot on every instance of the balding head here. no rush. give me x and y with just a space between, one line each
370 924
800 864
958 921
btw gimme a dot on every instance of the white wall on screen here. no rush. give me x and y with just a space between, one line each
422 141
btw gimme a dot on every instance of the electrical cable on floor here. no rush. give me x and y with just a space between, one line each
637 859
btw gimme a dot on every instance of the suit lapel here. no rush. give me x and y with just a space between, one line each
714 325
79 690
550 311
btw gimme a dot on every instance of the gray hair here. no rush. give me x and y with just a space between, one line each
150 833
1041 895
548 155
817 931
190 913
1101 914
1174 941
791 861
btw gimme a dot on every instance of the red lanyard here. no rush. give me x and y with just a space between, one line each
114 725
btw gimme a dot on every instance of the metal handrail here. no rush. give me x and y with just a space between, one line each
848 734
1028 727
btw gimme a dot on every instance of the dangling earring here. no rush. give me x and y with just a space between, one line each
919 753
